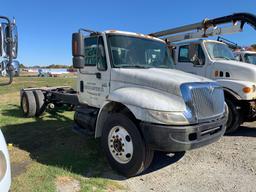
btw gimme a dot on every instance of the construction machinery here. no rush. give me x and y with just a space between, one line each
8 49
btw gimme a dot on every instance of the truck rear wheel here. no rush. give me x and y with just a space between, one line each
124 146
28 104
234 117
40 104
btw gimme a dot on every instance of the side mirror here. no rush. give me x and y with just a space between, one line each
78 50
193 54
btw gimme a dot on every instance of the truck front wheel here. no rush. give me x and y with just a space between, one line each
124 146
234 117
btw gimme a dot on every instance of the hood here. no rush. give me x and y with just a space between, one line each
167 80
237 70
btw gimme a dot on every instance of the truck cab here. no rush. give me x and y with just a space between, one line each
214 60
128 84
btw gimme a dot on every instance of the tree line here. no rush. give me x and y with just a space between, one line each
58 66
53 66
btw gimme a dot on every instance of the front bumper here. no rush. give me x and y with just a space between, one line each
182 138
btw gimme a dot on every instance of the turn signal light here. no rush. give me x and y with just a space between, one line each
247 89
216 73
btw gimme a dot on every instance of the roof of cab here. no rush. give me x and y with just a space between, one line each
244 52
196 41
133 34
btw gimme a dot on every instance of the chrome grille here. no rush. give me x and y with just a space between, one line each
208 102
205 100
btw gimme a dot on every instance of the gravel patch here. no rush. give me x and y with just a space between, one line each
227 165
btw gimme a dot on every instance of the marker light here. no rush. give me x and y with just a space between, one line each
216 73
247 89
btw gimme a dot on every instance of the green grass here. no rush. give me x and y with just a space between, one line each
24 82
45 148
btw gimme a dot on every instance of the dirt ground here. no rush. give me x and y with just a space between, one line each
227 165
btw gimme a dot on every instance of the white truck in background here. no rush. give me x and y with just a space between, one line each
8 51
246 56
214 60
240 53
129 95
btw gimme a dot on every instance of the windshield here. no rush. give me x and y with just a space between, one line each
134 52
250 58
219 51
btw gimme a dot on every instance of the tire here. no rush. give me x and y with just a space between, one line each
40 104
234 117
148 158
28 104
128 162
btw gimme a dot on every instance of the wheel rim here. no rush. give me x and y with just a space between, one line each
24 105
120 144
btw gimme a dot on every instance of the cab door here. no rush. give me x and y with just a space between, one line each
93 84
184 63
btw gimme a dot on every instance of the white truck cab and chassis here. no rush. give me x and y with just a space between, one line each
129 95
214 60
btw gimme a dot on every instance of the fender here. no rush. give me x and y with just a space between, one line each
231 92
235 87
138 100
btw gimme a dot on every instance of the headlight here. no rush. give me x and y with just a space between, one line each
173 118
3 165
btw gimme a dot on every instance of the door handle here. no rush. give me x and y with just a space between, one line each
98 75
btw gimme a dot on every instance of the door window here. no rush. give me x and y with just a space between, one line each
95 52
184 54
